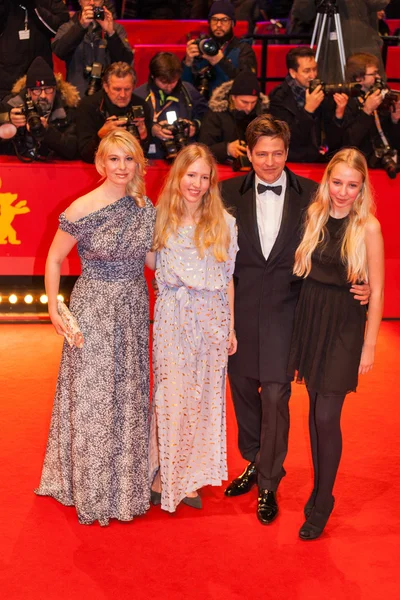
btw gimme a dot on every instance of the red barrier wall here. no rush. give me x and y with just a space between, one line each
47 189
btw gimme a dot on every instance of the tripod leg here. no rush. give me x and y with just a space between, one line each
342 54
320 38
315 30
322 71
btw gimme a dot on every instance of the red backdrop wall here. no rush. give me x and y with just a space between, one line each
47 189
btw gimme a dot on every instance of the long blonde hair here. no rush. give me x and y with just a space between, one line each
211 231
123 140
353 250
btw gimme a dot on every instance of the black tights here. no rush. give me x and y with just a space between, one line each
326 443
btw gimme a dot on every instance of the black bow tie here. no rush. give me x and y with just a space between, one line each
261 188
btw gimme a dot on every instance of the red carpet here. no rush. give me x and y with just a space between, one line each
221 552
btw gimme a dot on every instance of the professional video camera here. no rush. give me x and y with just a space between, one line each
135 112
98 13
180 129
207 45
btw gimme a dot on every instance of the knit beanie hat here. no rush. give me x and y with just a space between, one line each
245 84
40 74
222 7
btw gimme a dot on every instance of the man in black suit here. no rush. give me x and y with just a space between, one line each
269 204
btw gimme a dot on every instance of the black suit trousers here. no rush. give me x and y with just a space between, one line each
262 413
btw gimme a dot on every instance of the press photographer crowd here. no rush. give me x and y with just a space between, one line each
210 96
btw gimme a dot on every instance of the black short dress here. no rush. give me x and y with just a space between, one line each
329 324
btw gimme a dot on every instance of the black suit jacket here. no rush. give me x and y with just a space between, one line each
266 291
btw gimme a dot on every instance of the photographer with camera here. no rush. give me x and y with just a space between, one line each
373 117
315 119
26 28
232 107
42 109
116 105
213 60
173 104
89 42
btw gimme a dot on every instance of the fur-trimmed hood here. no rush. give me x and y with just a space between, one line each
68 92
219 101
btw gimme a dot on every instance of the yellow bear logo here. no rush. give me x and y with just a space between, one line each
8 210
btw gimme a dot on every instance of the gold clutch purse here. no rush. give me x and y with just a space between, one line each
73 334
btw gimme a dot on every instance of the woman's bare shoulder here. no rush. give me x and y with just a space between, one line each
82 206
372 225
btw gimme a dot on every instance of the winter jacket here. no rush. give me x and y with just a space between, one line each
308 132
238 56
188 104
16 55
81 47
220 127
91 116
59 137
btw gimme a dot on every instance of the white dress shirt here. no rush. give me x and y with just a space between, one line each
269 208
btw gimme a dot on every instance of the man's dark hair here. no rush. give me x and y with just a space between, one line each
119 69
165 66
295 53
266 125
357 65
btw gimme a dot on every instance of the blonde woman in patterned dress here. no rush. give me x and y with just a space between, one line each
196 244
97 451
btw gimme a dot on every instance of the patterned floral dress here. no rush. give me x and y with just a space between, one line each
97 451
191 329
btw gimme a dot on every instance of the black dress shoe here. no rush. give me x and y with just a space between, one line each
267 507
243 483
315 524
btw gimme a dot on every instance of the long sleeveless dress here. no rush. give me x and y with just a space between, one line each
329 323
190 354
97 451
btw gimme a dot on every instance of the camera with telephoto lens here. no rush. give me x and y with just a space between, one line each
32 113
351 89
98 13
94 72
390 97
27 143
135 112
354 89
180 129
386 158
206 45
